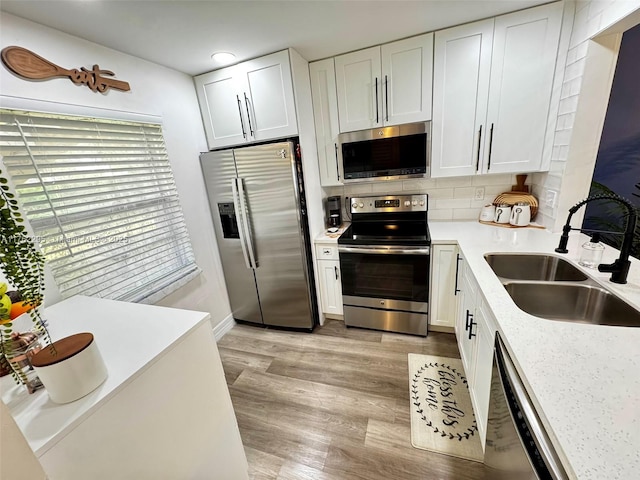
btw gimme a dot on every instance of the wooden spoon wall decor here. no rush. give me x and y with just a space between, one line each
27 64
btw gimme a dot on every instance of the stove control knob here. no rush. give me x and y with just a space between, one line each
407 203
414 203
354 205
361 205
422 203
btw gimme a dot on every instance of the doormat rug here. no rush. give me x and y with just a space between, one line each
442 418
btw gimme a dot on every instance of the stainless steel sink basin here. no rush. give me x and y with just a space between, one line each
538 267
573 303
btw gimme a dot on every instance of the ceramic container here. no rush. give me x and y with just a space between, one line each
503 213
520 214
76 369
488 213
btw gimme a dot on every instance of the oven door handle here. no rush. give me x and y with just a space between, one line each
386 250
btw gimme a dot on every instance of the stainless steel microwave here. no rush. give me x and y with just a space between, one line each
386 153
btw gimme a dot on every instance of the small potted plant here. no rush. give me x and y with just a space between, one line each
68 368
23 267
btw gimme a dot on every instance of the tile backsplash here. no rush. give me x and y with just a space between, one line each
449 198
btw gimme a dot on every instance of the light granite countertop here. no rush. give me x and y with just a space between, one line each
583 379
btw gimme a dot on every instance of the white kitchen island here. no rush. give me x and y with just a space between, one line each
164 411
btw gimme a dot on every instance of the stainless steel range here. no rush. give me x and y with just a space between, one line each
384 260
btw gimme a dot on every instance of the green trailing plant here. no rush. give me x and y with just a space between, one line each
23 266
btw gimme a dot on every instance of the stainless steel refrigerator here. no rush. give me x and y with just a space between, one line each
257 201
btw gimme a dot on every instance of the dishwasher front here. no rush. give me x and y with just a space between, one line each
517 447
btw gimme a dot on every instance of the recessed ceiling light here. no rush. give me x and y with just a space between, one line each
223 58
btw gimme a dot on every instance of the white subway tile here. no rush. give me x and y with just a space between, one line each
493 179
566 90
452 203
553 181
575 70
386 187
576 86
563 137
568 105
466 213
453 182
440 193
492 191
557 167
352 190
464 192
581 49
440 214
418 184
482 203
593 25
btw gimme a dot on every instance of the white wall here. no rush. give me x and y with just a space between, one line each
582 110
155 90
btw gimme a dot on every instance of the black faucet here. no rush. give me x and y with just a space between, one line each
620 268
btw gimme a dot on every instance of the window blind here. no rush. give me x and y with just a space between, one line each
101 199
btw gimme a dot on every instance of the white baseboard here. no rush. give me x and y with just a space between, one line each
441 328
223 327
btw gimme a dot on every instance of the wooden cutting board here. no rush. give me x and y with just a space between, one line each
508 225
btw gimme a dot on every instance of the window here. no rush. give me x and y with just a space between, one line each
101 199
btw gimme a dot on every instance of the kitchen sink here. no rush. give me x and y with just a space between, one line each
573 303
531 266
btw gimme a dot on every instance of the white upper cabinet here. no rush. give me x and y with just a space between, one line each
385 85
407 75
525 46
249 102
462 65
325 115
221 108
492 92
358 82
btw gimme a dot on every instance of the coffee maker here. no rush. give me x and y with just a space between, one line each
334 212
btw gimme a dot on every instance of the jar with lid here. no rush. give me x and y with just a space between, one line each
591 252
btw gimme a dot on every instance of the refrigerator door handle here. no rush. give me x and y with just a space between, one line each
245 223
240 217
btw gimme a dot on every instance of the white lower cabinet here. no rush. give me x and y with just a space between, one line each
330 280
444 285
475 332
482 366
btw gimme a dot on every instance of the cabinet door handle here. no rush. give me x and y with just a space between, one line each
244 133
377 116
336 271
479 142
490 147
337 166
466 323
455 288
471 324
386 97
246 102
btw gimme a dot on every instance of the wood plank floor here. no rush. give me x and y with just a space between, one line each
332 405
